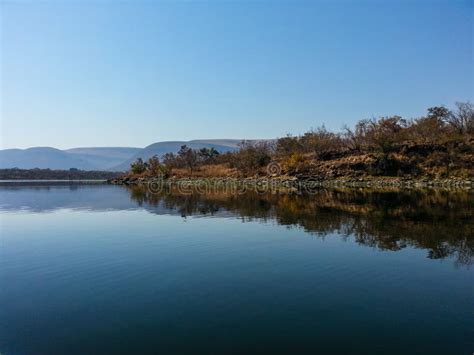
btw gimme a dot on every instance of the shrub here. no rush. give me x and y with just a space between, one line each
251 157
292 163
138 167
288 145
320 140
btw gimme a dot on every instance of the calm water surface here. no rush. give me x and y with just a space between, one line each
109 270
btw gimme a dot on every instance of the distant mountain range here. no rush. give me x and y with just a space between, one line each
103 158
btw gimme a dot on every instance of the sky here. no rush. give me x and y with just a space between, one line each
131 73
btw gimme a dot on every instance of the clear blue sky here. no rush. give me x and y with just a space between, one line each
103 73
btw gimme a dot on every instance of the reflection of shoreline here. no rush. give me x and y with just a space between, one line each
437 220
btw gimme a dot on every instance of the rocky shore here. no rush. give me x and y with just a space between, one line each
291 183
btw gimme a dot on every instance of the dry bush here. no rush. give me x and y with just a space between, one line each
205 171
292 163
252 157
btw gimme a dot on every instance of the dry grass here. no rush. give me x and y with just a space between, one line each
220 170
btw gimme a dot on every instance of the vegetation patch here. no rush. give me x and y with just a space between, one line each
438 145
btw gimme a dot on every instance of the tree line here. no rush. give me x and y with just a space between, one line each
49 174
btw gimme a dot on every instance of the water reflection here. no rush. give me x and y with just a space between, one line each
440 221
437 220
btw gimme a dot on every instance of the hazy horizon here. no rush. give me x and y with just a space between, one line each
137 147
133 74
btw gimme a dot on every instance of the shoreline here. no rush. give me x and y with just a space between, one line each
282 183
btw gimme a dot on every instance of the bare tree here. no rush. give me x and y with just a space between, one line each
462 120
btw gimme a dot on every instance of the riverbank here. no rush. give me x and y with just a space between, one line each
290 183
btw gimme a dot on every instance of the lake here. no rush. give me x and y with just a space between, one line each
101 269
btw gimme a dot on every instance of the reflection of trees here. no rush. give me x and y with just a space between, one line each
440 221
